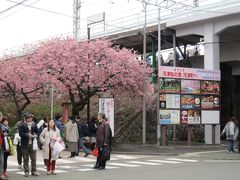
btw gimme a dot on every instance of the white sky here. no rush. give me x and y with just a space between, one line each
22 25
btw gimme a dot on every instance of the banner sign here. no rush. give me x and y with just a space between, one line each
189 73
106 106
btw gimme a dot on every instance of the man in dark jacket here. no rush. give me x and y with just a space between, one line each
102 141
28 131
81 125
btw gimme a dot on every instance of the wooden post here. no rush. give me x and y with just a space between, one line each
189 136
213 133
164 135
65 115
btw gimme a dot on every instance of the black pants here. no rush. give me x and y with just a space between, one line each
6 154
100 161
19 155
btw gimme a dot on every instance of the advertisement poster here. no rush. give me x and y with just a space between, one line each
190 87
197 102
187 102
191 117
106 106
210 87
162 101
210 102
169 117
173 101
170 85
189 73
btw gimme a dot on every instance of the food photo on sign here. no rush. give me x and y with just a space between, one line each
190 87
210 87
162 101
170 85
187 102
190 117
210 102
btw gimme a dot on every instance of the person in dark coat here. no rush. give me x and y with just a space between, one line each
92 129
102 141
28 131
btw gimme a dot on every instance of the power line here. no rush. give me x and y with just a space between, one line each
19 10
11 7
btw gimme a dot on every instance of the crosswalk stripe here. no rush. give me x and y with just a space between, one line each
13 170
125 157
64 161
85 170
124 164
144 163
182 160
57 171
107 167
68 167
164 161
85 159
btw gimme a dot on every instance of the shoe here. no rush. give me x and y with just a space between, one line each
101 168
95 167
59 157
35 174
5 174
48 173
3 178
54 173
26 174
19 166
86 155
230 152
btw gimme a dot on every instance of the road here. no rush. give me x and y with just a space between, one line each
136 167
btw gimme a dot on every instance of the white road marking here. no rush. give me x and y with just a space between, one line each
64 161
85 159
111 167
125 157
13 170
107 167
182 160
144 163
124 165
85 170
57 171
222 161
164 161
68 167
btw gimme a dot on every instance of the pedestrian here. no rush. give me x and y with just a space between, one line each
59 125
17 143
92 129
48 137
102 141
28 132
81 125
72 137
6 134
2 177
229 129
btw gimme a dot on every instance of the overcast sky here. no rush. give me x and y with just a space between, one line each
22 24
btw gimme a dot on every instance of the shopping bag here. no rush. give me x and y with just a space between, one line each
57 148
6 143
11 147
95 152
106 152
35 144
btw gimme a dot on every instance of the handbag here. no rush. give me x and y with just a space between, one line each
35 144
95 152
11 147
106 153
6 143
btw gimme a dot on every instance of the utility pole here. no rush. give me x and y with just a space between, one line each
144 84
76 18
52 100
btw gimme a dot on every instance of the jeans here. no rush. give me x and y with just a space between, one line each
81 145
29 152
1 160
230 145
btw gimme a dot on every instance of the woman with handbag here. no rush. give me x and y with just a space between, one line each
6 133
48 137
2 177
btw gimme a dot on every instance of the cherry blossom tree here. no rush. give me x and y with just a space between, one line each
20 83
83 69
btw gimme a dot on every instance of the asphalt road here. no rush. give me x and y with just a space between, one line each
124 167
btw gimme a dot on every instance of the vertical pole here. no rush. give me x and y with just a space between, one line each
174 64
158 80
189 135
144 59
213 134
88 88
164 131
52 96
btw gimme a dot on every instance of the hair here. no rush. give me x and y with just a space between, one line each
4 118
54 127
93 119
102 115
58 116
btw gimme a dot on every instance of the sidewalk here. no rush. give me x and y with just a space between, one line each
171 150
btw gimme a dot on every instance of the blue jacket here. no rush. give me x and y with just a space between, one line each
24 131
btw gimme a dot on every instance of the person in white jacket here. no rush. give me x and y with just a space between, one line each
48 138
17 143
230 129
